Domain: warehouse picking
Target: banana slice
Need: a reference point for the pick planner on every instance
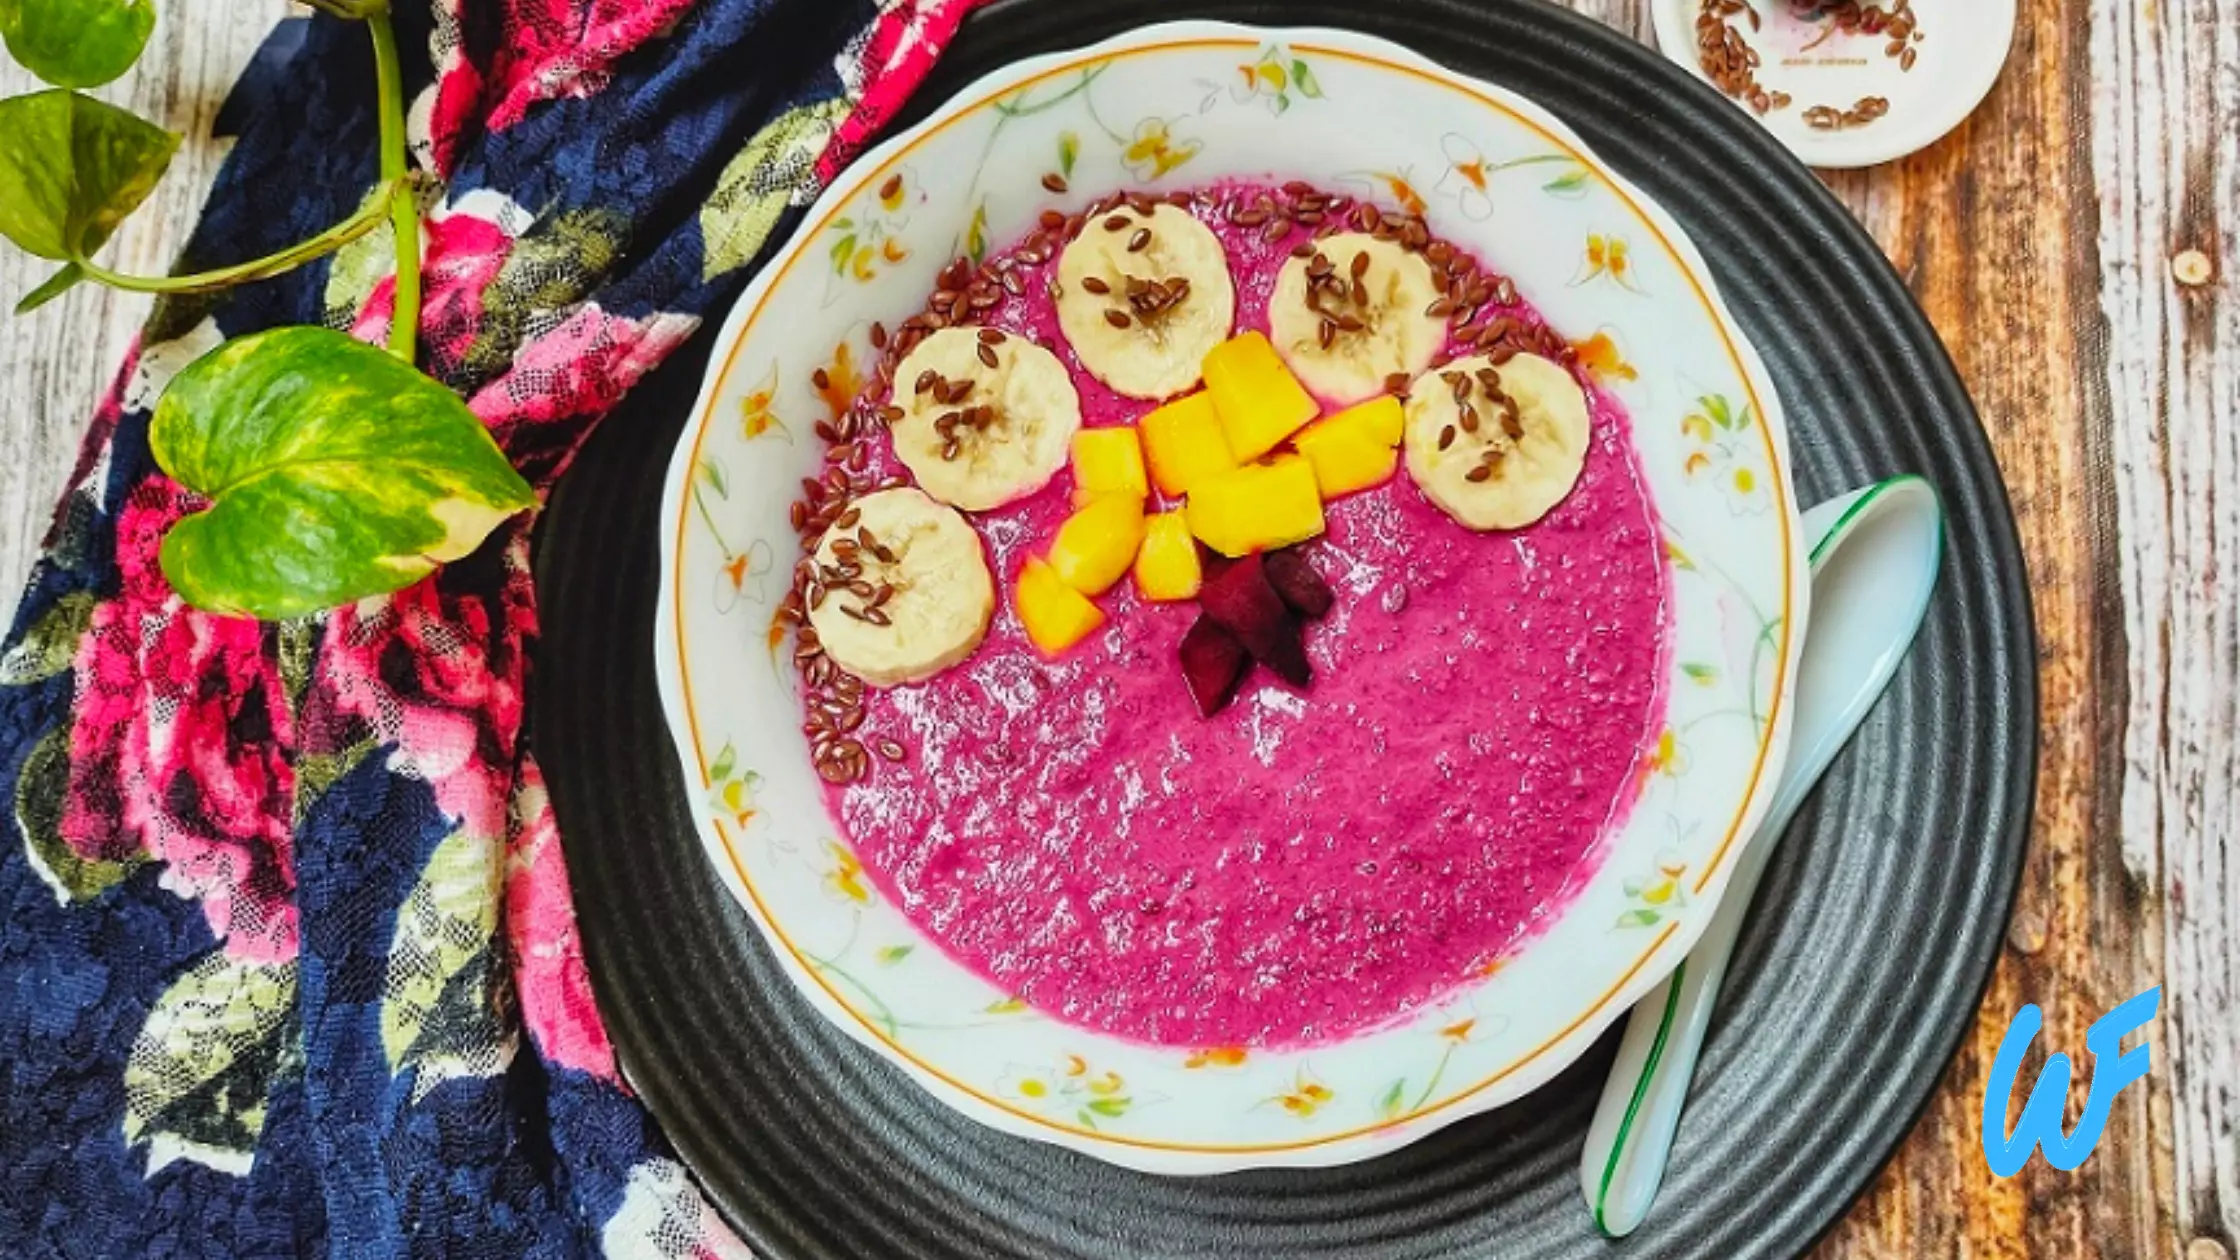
(1497, 447)
(1142, 298)
(987, 416)
(929, 590)
(1353, 313)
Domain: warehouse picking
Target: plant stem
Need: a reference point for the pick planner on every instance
(368, 217)
(404, 209)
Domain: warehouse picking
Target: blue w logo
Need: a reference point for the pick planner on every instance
(2112, 1068)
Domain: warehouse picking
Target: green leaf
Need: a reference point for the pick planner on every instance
(1303, 78)
(1283, 102)
(196, 1079)
(776, 166)
(1637, 919)
(50, 644)
(711, 475)
(727, 760)
(976, 234)
(76, 43)
(893, 954)
(1069, 152)
(1703, 674)
(1570, 184)
(1109, 1107)
(438, 1012)
(337, 472)
(40, 788)
(71, 169)
(1394, 1099)
(54, 286)
(1715, 406)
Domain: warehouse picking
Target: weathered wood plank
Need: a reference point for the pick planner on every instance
(1992, 231)
(2166, 153)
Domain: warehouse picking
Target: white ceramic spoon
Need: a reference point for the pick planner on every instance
(1874, 563)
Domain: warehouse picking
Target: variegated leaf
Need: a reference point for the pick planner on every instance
(380, 472)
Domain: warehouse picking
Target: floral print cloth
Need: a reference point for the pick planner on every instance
(288, 964)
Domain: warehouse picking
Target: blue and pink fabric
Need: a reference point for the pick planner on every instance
(288, 962)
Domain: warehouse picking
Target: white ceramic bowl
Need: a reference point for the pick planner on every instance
(1164, 107)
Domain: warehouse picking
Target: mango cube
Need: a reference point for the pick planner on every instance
(1346, 456)
(1056, 615)
(1184, 443)
(1381, 418)
(1167, 566)
(1108, 461)
(1260, 401)
(1097, 543)
(1258, 507)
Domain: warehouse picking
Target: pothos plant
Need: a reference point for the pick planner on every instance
(333, 470)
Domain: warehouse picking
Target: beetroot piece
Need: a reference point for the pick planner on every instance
(1211, 563)
(1287, 656)
(1213, 663)
(1295, 579)
(1241, 600)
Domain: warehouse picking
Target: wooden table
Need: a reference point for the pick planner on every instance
(2076, 244)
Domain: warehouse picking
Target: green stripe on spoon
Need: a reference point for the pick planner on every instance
(1874, 563)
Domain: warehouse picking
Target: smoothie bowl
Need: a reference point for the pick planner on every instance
(1230, 599)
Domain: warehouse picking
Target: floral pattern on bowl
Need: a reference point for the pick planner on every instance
(1188, 104)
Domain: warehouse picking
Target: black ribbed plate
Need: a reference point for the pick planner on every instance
(1892, 895)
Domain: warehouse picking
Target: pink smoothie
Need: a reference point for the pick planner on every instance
(1304, 865)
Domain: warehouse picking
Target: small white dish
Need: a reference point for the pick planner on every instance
(1964, 46)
